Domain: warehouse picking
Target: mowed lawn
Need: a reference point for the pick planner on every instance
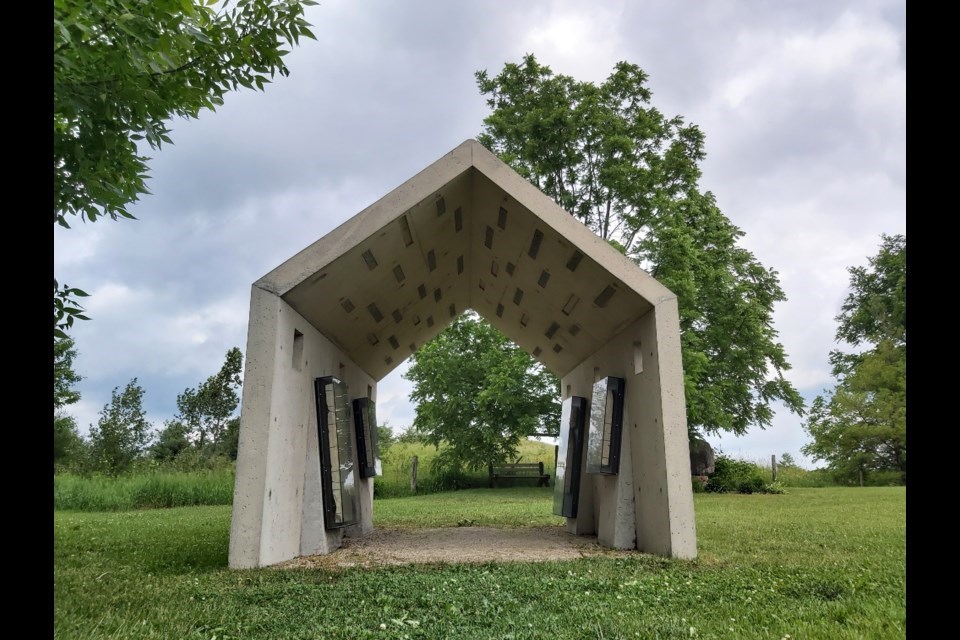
(815, 563)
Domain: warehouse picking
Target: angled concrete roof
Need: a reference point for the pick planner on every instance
(466, 232)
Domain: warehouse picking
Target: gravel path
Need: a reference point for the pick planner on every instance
(458, 545)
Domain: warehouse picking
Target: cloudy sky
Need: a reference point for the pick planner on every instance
(802, 103)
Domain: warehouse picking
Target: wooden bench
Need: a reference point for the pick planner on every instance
(532, 470)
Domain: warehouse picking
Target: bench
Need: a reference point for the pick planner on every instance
(532, 470)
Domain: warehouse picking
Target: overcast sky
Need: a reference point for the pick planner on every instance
(803, 104)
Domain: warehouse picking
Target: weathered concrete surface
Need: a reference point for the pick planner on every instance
(466, 232)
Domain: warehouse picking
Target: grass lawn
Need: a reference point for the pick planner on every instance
(815, 563)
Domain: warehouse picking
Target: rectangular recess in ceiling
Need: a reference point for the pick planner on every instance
(413, 347)
(544, 279)
(397, 316)
(552, 329)
(604, 297)
(429, 321)
(388, 360)
(494, 268)
(432, 260)
(574, 261)
(483, 285)
(557, 348)
(458, 219)
(422, 290)
(499, 310)
(570, 304)
(373, 339)
(393, 342)
(459, 265)
(416, 320)
(346, 304)
(488, 238)
(502, 219)
(405, 231)
(369, 259)
(537, 351)
(375, 312)
(510, 268)
(453, 310)
(574, 329)
(517, 295)
(535, 244)
(398, 273)
(441, 206)
(437, 294)
(524, 319)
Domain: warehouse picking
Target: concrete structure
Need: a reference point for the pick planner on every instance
(466, 232)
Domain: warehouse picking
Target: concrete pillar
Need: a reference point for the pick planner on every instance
(278, 503)
(649, 504)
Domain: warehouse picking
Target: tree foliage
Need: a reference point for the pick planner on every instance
(64, 377)
(860, 427)
(630, 174)
(122, 69)
(204, 413)
(480, 394)
(67, 442)
(122, 431)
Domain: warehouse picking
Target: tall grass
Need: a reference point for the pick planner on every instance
(152, 489)
(398, 460)
(147, 491)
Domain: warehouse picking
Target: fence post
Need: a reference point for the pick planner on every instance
(413, 474)
(773, 466)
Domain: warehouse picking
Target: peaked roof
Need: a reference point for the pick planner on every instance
(467, 232)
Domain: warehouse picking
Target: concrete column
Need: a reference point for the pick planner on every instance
(649, 503)
(278, 504)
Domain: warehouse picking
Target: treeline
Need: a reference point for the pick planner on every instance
(202, 435)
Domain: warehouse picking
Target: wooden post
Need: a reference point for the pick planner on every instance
(773, 466)
(413, 474)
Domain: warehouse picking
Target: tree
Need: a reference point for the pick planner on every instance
(630, 174)
(205, 412)
(860, 426)
(122, 432)
(480, 394)
(122, 70)
(171, 441)
(786, 460)
(66, 438)
(64, 377)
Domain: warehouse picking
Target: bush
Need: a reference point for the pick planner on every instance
(698, 485)
(739, 476)
(775, 487)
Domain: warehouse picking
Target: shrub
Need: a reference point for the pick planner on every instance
(775, 487)
(736, 476)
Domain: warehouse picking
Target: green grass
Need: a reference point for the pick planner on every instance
(155, 488)
(143, 491)
(815, 563)
(395, 481)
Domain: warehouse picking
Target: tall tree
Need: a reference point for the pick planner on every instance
(860, 426)
(66, 437)
(480, 394)
(122, 431)
(205, 411)
(122, 70)
(631, 175)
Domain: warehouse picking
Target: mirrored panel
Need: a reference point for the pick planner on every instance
(566, 487)
(337, 473)
(368, 447)
(606, 424)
